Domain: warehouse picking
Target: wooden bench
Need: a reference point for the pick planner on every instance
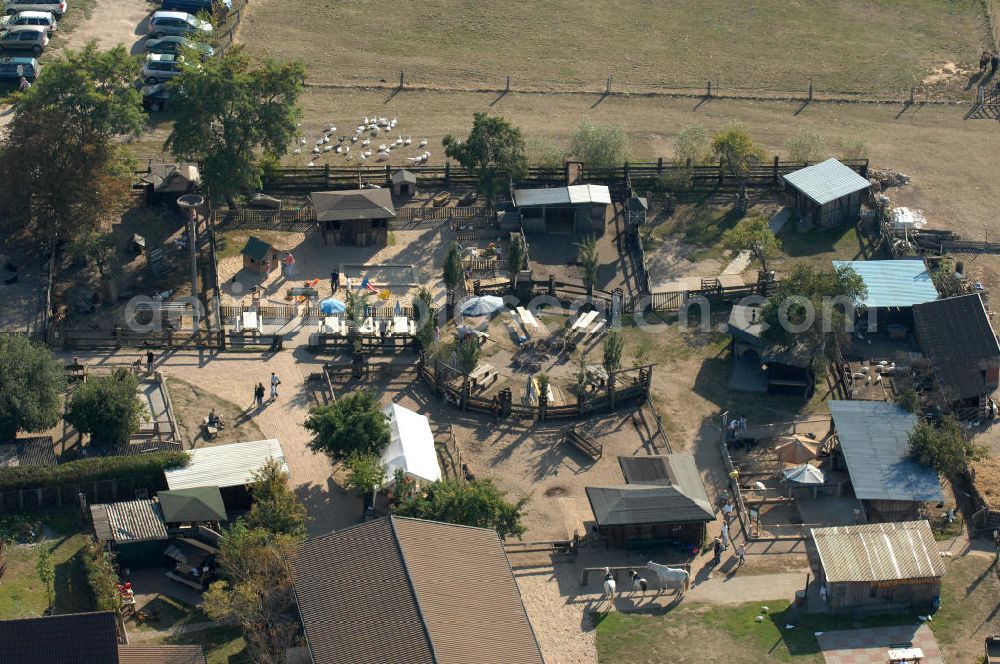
(583, 443)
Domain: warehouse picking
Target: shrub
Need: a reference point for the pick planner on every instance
(90, 470)
(102, 577)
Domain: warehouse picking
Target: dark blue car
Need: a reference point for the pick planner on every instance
(11, 69)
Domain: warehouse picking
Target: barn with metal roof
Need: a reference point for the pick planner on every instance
(894, 284)
(579, 208)
(826, 194)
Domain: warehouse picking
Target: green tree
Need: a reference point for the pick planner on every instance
(31, 389)
(229, 111)
(691, 144)
(479, 503)
(107, 407)
(811, 305)
(95, 248)
(102, 577)
(46, 573)
(467, 351)
(753, 235)
(354, 423)
(909, 399)
(944, 447)
(546, 153)
(425, 325)
(257, 591)
(516, 253)
(806, 145)
(366, 472)
(736, 153)
(275, 506)
(590, 262)
(451, 268)
(600, 146)
(494, 153)
(614, 344)
(854, 147)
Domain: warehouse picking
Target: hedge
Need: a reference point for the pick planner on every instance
(91, 470)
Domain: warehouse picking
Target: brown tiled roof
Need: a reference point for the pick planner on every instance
(67, 639)
(407, 591)
(141, 653)
(353, 204)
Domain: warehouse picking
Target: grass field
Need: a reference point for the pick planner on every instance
(850, 45)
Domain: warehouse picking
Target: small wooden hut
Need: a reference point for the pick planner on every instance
(259, 257)
(826, 194)
(880, 567)
(354, 218)
(404, 183)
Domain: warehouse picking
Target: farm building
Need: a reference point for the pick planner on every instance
(229, 467)
(894, 286)
(826, 194)
(354, 218)
(198, 505)
(404, 183)
(663, 499)
(760, 367)
(880, 566)
(134, 530)
(580, 208)
(984, 478)
(259, 257)
(966, 372)
(873, 440)
(436, 593)
(165, 182)
(34, 451)
(411, 448)
(83, 637)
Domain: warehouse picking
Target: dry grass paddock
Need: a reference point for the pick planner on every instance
(774, 45)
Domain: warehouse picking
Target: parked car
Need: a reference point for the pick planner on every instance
(175, 44)
(196, 6)
(161, 67)
(180, 24)
(57, 7)
(46, 20)
(30, 38)
(12, 69)
(155, 98)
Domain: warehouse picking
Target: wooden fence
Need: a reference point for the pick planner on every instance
(73, 339)
(298, 220)
(100, 491)
(225, 30)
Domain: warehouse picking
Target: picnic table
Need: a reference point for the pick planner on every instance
(402, 325)
(370, 327)
(534, 391)
(527, 321)
(481, 374)
(249, 321)
(584, 321)
(596, 375)
(899, 655)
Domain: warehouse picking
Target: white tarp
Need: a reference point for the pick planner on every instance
(907, 218)
(412, 446)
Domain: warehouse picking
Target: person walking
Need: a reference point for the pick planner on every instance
(258, 395)
(334, 281)
(741, 555)
(994, 63)
(150, 361)
(275, 382)
(984, 59)
(717, 549)
(725, 536)
(727, 512)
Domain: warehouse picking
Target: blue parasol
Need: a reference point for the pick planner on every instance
(331, 306)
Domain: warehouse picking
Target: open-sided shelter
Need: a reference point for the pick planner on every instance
(880, 566)
(229, 467)
(356, 217)
(406, 591)
(826, 194)
(873, 438)
(894, 287)
(579, 208)
(663, 499)
(411, 448)
(197, 505)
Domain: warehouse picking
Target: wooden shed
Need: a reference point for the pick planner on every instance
(404, 183)
(880, 567)
(259, 257)
(354, 218)
(581, 208)
(134, 530)
(826, 194)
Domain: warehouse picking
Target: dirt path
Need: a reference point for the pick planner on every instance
(111, 22)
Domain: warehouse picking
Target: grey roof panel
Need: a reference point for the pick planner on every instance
(878, 552)
(353, 204)
(894, 283)
(129, 521)
(827, 181)
(225, 465)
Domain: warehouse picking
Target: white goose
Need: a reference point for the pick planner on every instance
(423, 143)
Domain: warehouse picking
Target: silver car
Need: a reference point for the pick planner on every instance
(57, 7)
(180, 24)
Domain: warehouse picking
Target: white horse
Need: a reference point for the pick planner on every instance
(609, 586)
(672, 578)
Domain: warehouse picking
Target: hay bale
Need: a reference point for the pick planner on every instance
(986, 481)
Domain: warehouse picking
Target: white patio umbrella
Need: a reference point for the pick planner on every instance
(482, 306)
(804, 474)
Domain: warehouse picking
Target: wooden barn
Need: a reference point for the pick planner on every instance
(762, 367)
(880, 567)
(956, 336)
(825, 194)
(663, 499)
(354, 218)
(580, 208)
(259, 257)
(873, 442)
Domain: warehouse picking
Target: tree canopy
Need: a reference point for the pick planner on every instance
(275, 507)
(479, 503)
(753, 235)
(451, 267)
(494, 153)
(366, 472)
(32, 385)
(352, 424)
(516, 253)
(614, 344)
(806, 145)
(944, 447)
(691, 143)
(600, 146)
(590, 261)
(107, 407)
(467, 353)
(810, 305)
(230, 111)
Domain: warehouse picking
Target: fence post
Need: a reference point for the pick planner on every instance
(507, 89)
(810, 90)
(776, 160)
(709, 93)
(400, 79)
(447, 172)
(722, 173)
(659, 165)
(326, 172)
(607, 90)
(913, 92)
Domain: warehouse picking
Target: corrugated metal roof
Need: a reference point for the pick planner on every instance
(414, 614)
(225, 465)
(576, 194)
(35, 451)
(199, 504)
(827, 181)
(878, 552)
(353, 204)
(874, 438)
(141, 653)
(129, 521)
(899, 283)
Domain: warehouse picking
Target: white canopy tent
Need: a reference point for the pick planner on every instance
(412, 446)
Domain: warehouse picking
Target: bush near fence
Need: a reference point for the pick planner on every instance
(91, 470)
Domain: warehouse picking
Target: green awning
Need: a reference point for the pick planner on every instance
(199, 504)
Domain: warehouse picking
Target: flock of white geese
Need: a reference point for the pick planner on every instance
(370, 130)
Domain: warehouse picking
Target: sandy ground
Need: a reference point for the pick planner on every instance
(110, 23)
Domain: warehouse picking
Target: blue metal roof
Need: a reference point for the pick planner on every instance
(827, 181)
(900, 283)
(874, 437)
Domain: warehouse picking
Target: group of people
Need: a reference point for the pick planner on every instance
(258, 390)
(721, 543)
(990, 58)
(736, 427)
(150, 363)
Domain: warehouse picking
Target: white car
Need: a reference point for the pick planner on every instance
(57, 7)
(27, 17)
